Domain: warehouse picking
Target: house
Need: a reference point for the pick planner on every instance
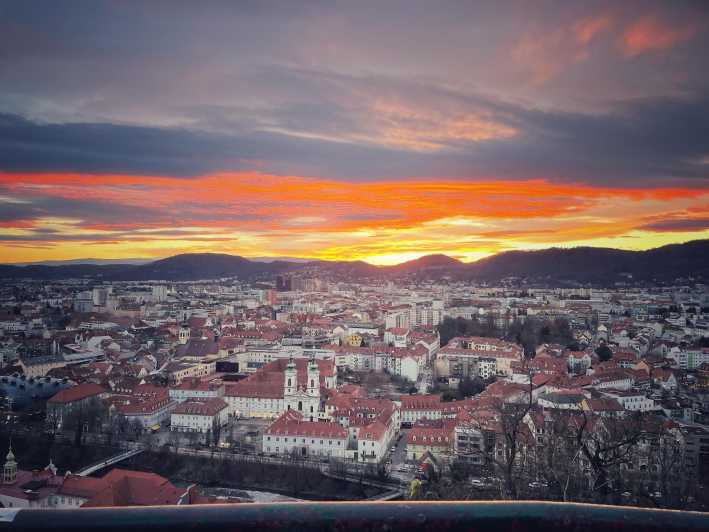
(40, 366)
(567, 400)
(634, 400)
(176, 372)
(121, 487)
(148, 406)
(397, 336)
(196, 388)
(602, 406)
(579, 361)
(199, 415)
(373, 442)
(292, 434)
(417, 407)
(60, 405)
(665, 378)
(437, 441)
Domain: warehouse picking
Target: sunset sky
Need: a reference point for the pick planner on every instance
(381, 130)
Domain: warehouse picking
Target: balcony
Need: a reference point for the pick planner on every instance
(389, 516)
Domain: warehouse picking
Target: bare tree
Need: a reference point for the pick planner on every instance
(508, 455)
(606, 444)
(557, 452)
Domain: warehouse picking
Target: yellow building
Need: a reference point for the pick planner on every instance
(354, 340)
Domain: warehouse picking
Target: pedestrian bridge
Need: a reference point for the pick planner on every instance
(109, 461)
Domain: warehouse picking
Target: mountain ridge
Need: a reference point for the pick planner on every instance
(578, 264)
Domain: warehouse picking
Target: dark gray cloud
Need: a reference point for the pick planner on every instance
(87, 210)
(684, 224)
(184, 89)
(116, 216)
(647, 142)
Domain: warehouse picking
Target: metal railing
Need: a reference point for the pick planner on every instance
(379, 516)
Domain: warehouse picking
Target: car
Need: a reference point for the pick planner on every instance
(477, 483)
(538, 484)
(393, 449)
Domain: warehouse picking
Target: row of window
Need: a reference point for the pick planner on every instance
(295, 440)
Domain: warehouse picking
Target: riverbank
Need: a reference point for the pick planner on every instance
(292, 480)
(34, 450)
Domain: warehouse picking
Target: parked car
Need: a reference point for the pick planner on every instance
(538, 484)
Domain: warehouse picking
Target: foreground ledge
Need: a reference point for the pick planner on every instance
(340, 516)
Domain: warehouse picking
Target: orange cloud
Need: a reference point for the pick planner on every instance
(650, 34)
(588, 28)
(257, 214)
(547, 53)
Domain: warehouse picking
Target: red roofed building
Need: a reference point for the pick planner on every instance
(298, 384)
(437, 441)
(195, 388)
(291, 434)
(63, 403)
(416, 407)
(206, 415)
(122, 487)
(148, 405)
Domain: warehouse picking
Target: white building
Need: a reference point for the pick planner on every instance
(206, 415)
(632, 400)
(292, 434)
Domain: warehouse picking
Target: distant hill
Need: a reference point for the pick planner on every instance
(186, 267)
(98, 262)
(582, 264)
(193, 266)
(598, 265)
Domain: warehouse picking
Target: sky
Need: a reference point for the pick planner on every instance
(380, 131)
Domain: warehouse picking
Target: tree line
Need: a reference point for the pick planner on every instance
(530, 333)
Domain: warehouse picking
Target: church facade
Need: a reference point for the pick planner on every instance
(299, 385)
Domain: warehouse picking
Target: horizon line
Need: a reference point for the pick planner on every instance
(267, 259)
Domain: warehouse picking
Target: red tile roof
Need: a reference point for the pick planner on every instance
(291, 423)
(420, 402)
(207, 407)
(121, 487)
(429, 436)
(77, 393)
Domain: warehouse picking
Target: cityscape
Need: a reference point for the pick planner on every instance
(392, 386)
(388, 266)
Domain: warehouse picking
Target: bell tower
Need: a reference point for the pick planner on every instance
(291, 378)
(9, 471)
(313, 378)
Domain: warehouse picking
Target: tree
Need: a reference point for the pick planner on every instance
(512, 412)
(469, 387)
(558, 457)
(85, 416)
(604, 353)
(606, 444)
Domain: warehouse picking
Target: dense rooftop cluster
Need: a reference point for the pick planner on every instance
(463, 377)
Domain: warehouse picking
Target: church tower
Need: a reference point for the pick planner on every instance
(291, 378)
(9, 471)
(313, 378)
(184, 334)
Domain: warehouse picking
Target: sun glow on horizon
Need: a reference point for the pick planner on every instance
(383, 223)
